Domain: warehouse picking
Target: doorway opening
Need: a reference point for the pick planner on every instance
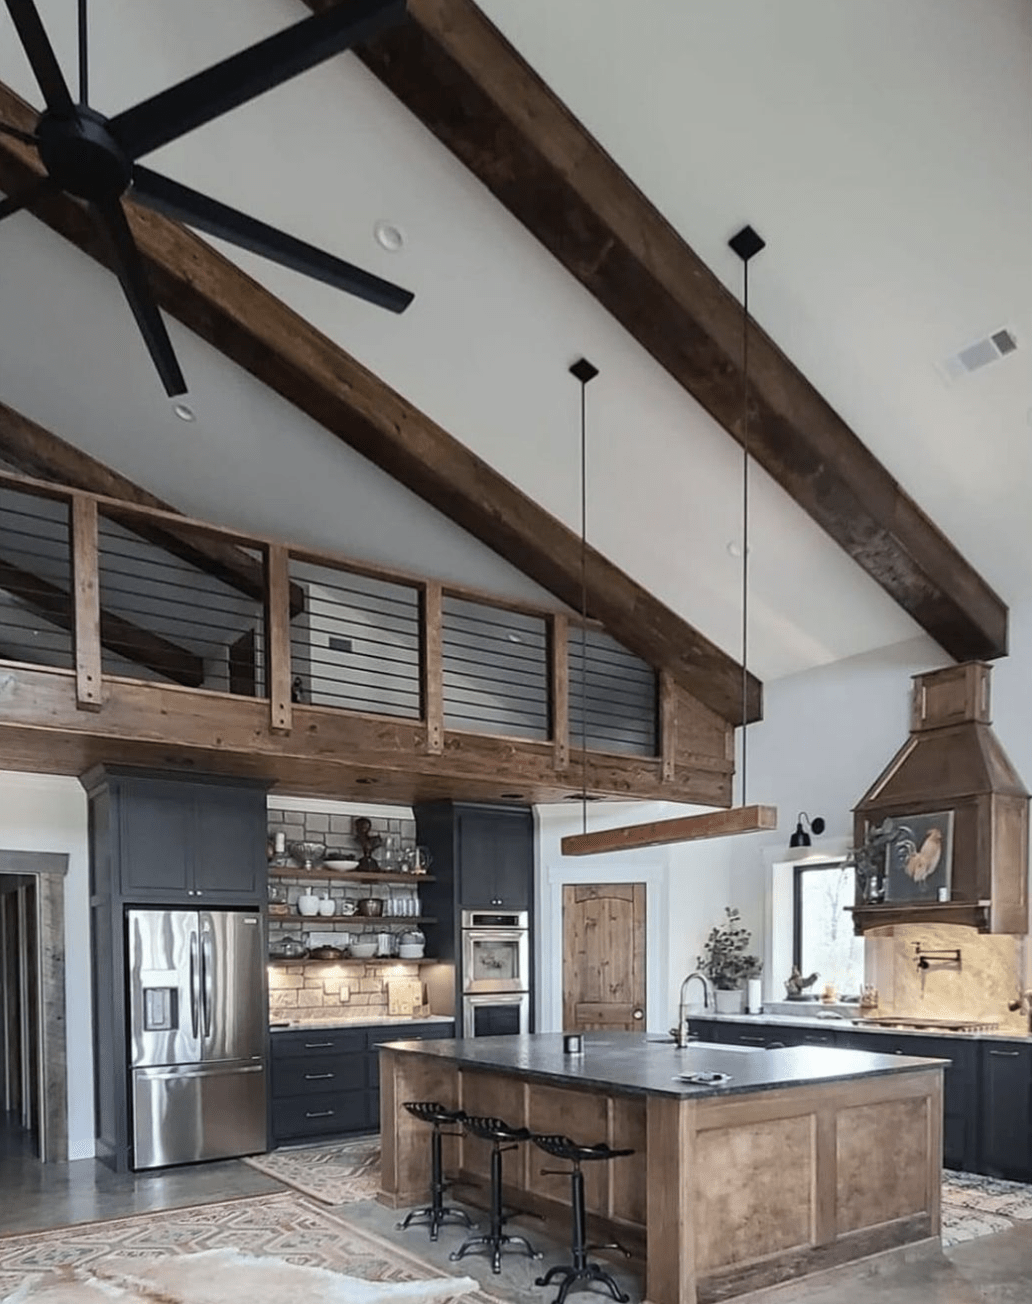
(20, 1042)
(33, 1051)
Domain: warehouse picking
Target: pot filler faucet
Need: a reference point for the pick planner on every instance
(681, 1031)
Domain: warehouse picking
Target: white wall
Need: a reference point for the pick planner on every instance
(42, 812)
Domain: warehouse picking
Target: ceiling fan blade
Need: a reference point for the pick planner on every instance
(194, 209)
(190, 103)
(23, 136)
(128, 266)
(40, 54)
(15, 203)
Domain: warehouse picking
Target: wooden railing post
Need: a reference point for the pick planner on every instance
(667, 725)
(86, 604)
(277, 641)
(560, 691)
(433, 668)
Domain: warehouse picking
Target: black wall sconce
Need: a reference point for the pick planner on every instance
(801, 836)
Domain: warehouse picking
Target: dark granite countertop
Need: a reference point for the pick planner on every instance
(853, 1024)
(629, 1064)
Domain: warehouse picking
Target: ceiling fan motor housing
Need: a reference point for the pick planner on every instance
(81, 155)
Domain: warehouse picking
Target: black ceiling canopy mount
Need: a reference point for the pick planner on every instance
(94, 158)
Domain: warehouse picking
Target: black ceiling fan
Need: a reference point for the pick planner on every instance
(95, 158)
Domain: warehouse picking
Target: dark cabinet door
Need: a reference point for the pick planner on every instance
(156, 838)
(1005, 1116)
(496, 859)
(229, 860)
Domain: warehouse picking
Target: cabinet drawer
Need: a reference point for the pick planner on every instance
(291, 1045)
(321, 1115)
(317, 1073)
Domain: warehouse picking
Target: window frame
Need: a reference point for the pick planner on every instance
(798, 871)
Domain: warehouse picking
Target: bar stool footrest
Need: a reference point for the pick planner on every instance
(590, 1272)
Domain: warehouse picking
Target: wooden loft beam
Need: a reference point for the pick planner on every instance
(117, 634)
(33, 450)
(464, 82)
(253, 328)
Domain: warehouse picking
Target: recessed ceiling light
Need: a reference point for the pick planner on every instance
(183, 412)
(389, 236)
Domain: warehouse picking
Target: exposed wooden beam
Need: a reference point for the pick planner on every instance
(686, 828)
(117, 634)
(33, 450)
(236, 315)
(464, 82)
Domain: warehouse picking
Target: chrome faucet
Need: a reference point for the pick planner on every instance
(681, 1031)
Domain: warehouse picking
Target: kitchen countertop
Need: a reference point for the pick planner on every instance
(342, 1025)
(630, 1064)
(852, 1024)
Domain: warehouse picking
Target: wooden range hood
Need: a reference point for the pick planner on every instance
(953, 761)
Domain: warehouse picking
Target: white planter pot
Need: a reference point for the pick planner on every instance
(728, 1002)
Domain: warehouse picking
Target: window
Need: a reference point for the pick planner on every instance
(823, 939)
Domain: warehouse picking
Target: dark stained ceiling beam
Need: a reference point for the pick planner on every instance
(31, 449)
(117, 634)
(464, 82)
(237, 316)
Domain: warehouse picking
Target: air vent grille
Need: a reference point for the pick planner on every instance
(979, 354)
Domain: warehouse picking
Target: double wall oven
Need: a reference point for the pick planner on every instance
(495, 960)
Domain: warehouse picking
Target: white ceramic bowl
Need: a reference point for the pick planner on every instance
(363, 950)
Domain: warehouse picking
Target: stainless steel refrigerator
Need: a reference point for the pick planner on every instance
(198, 1019)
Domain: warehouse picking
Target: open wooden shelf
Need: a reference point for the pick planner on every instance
(352, 960)
(318, 922)
(348, 876)
(975, 914)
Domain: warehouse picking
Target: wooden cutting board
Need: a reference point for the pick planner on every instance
(404, 995)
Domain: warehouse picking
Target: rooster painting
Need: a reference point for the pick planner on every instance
(919, 856)
(922, 861)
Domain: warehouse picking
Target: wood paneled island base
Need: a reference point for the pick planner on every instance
(807, 1158)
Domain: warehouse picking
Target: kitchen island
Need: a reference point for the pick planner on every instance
(804, 1159)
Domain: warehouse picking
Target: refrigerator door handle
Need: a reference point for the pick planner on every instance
(207, 983)
(194, 990)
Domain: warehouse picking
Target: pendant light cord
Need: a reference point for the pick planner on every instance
(84, 80)
(745, 533)
(584, 602)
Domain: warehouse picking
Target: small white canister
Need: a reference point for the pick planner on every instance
(753, 996)
(308, 904)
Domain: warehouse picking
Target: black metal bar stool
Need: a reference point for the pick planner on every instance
(581, 1269)
(503, 1137)
(436, 1212)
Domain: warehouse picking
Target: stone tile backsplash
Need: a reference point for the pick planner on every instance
(318, 990)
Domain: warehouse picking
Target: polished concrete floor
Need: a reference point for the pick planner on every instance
(33, 1196)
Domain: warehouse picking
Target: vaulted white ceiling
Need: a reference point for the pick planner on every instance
(883, 150)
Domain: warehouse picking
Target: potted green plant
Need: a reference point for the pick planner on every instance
(725, 963)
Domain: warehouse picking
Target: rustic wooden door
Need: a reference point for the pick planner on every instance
(604, 956)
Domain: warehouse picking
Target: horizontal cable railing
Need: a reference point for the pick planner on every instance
(357, 645)
(613, 696)
(495, 665)
(36, 607)
(107, 588)
(167, 619)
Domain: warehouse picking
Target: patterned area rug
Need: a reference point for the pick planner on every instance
(974, 1206)
(285, 1226)
(335, 1174)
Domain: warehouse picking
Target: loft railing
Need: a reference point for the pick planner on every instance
(109, 590)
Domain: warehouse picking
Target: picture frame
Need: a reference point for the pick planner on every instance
(919, 858)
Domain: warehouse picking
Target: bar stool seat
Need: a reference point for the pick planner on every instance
(581, 1269)
(436, 1212)
(502, 1137)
